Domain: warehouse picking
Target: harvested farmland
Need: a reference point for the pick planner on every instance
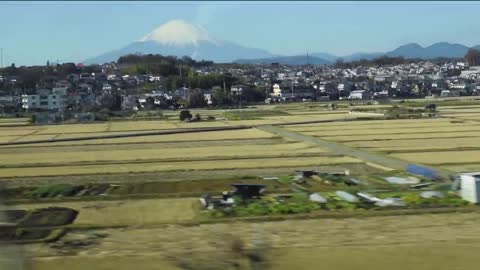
(417, 144)
(379, 126)
(399, 137)
(126, 212)
(185, 137)
(185, 153)
(441, 157)
(374, 131)
(176, 166)
(44, 148)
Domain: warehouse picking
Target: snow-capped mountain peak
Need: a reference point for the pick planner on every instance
(180, 38)
(178, 33)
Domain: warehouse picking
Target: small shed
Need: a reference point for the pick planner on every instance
(248, 191)
(470, 187)
(306, 174)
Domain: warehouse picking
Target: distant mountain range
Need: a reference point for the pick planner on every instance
(409, 51)
(180, 38)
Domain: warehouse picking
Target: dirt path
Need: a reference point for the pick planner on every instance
(382, 160)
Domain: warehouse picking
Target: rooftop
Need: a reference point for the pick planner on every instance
(474, 174)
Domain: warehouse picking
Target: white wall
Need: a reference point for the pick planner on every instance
(470, 188)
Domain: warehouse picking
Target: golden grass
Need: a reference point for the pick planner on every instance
(419, 143)
(34, 137)
(301, 118)
(140, 125)
(9, 120)
(9, 131)
(463, 167)
(126, 212)
(372, 131)
(199, 136)
(103, 155)
(441, 157)
(176, 166)
(374, 125)
(73, 128)
(318, 112)
(453, 136)
(6, 139)
(469, 117)
(423, 242)
(386, 123)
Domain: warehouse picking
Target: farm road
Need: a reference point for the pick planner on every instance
(382, 160)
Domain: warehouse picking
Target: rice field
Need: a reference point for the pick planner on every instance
(442, 157)
(409, 139)
(418, 143)
(164, 166)
(203, 151)
(165, 154)
(183, 137)
(5, 122)
(448, 141)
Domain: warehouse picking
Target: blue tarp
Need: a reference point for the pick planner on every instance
(423, 171)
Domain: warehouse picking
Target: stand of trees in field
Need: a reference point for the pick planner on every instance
(473, 57)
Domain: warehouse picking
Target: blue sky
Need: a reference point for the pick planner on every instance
(34, 32)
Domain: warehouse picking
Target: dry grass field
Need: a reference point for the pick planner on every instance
(183, 137)
(443, 157)
(216, 150)
(439, 141)
(163, 166)
(127, 212)
(417, 144)
(185, 153)
(425, 242)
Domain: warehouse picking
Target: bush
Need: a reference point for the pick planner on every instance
(51, 191)
(185, 114)
(33, 119)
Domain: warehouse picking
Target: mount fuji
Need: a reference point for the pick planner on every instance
(179, 38)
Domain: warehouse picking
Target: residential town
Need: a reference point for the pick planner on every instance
(114, 86)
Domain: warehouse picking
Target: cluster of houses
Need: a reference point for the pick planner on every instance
(406, 80)
(84, 91)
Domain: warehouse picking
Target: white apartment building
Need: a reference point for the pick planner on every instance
(45, 99)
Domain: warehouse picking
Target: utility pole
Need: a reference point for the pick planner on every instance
(224, 87)
(1, 57)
